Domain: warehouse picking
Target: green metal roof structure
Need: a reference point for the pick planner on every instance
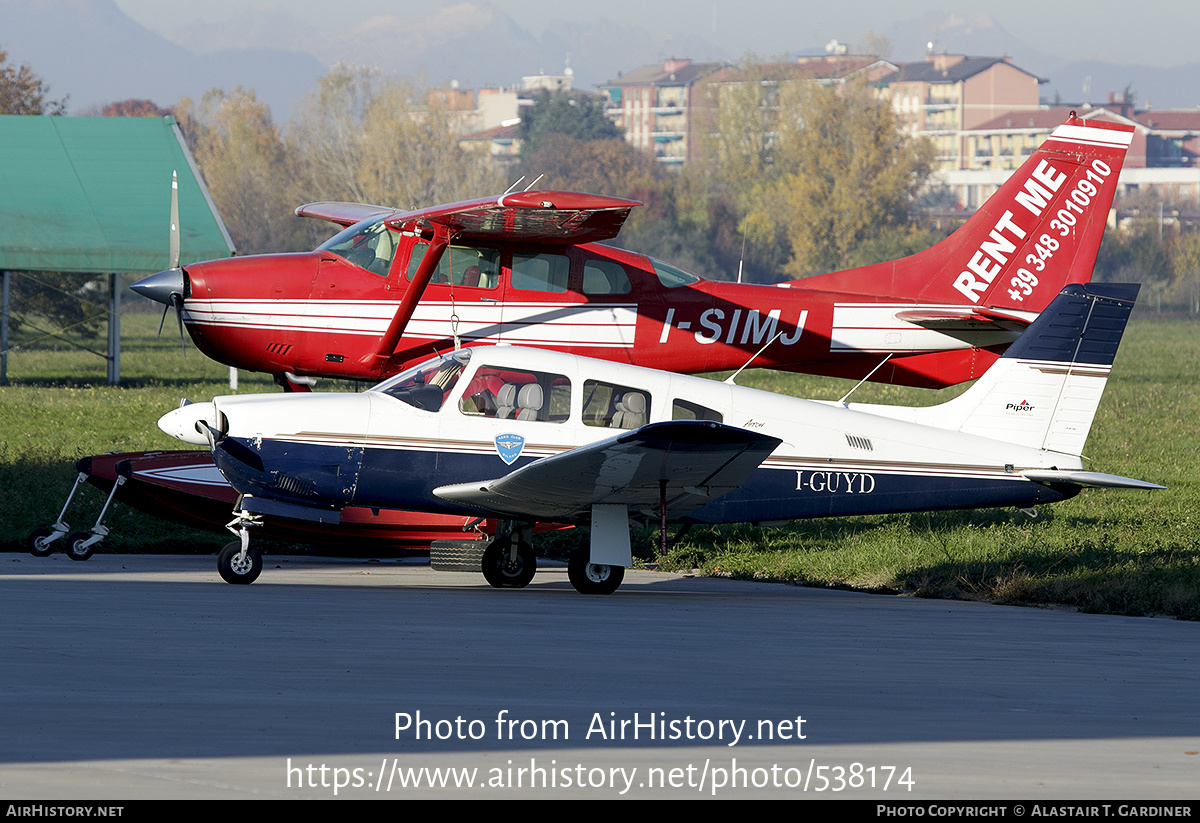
(93, 195)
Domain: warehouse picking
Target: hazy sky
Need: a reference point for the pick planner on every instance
(1149, 32)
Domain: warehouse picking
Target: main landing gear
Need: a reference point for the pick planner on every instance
(592, 578)
(509, 563)
(508, 560)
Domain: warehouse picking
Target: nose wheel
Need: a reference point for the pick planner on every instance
(238, 567)
(240, 563)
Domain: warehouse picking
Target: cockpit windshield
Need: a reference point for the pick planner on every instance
(370, 245)
(427, 385)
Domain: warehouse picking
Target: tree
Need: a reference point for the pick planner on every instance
(1185, 264)
(246, 168)
(611, 166)
(573, 114)
(365, 137)
(845, 174)
(23, 92)
(134, 107)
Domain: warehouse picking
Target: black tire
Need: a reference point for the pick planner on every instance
(592, 578)
(457, 555)
(501, 571)
(239, 574)
(37, 545)
(75, 548)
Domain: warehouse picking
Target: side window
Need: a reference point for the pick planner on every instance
(671, 277)
(614, 407)
(683, 410)
(540, 272)
(460, 266)
(605, 277)
(514, 395)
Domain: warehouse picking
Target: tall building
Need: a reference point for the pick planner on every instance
(946, 95)
(655, 106)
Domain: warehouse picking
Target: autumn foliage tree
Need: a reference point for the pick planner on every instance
(246, 167)
(368, 138)
(23, 92)
(844, 175)
(133, 107)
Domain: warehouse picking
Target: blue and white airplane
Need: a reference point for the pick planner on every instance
(528, 435)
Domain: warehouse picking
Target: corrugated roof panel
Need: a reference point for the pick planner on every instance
(93, 194)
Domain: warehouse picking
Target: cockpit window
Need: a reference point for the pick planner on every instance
(370, 245)
(460, 266)
(427, 385)
(672, 277)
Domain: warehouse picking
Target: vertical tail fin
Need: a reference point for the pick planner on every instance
(1043, 393)
(1040, 231)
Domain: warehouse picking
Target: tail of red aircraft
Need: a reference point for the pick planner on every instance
(1040, 231)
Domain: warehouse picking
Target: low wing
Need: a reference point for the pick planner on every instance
(532, 216)
(1097, 479)
(344, 214)
(699, 461)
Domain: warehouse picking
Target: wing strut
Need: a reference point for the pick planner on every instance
(408, 304)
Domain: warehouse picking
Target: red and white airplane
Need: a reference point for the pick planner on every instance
(526, 268)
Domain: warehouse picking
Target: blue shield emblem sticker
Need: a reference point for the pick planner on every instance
(509, 446)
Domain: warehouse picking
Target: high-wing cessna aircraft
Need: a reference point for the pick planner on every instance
(524, 434)
(525, 268)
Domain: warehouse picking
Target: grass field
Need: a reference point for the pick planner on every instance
(1111, 551)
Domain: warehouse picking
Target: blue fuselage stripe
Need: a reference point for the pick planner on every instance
(396, 478)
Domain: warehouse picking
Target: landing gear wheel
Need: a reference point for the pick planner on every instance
(592, 578)
(501, 570)
(75, 548)
(38, 546)
(239, 571)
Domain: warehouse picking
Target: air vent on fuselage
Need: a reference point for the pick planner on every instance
(279, 349)
(857, 442)
(295, 485)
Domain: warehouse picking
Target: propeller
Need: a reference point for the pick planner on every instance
(168, 287)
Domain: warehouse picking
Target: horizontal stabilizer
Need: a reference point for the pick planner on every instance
(967, 318)
(1097, 479)
(699, 461)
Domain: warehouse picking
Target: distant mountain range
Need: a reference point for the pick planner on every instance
(92, 52)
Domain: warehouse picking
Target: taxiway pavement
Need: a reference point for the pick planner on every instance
(131, 677)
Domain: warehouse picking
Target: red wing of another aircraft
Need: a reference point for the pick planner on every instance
(526, 268)
(186, 487)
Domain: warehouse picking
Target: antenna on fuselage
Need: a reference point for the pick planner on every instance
(729, 379)
(865, 379)
(742, 259)
(516, 183)
(534, 183)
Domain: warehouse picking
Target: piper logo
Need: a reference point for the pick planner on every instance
(1023, 406)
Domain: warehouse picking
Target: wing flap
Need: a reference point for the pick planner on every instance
(699, 462)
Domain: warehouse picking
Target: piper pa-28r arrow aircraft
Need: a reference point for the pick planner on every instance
(524, 435)
(525, 268)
